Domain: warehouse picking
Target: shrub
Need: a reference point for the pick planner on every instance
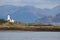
(2, 21)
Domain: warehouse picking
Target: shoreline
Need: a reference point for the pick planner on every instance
(31, 29)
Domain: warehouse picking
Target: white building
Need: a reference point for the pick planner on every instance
(9, 19)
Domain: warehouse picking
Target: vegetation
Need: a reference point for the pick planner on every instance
(2, 21)
(31, 26)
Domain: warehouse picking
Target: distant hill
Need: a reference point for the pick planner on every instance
(27, 14)
(56, 10)
(46, 19)
(30, 14)
(54, 18)
(24, 14)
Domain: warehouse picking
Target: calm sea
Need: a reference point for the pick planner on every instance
(21, 35)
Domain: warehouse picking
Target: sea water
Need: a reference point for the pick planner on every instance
(23, 35)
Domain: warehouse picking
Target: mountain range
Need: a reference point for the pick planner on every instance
(29, 14)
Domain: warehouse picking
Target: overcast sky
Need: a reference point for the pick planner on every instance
(37, 3)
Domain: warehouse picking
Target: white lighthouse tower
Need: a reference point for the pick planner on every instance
(9, 19)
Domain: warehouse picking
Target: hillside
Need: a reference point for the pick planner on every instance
(29, 14)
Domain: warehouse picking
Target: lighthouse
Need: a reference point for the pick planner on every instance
(9, 19)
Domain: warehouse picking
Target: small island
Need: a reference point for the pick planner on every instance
(15, 25)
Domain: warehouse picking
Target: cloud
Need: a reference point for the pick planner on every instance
(37, 3)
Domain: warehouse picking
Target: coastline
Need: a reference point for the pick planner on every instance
(31, 29)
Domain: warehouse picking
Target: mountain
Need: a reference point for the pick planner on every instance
(56, 19)
(56, 10)
(27, 14)
(30, 14)
(48, 12)
(24, 14)
(46, 19)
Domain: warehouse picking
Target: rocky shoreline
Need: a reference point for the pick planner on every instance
(30, 29)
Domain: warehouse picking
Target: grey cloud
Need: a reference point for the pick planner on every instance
(38, 3)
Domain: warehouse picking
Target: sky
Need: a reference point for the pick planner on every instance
(37, 3)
